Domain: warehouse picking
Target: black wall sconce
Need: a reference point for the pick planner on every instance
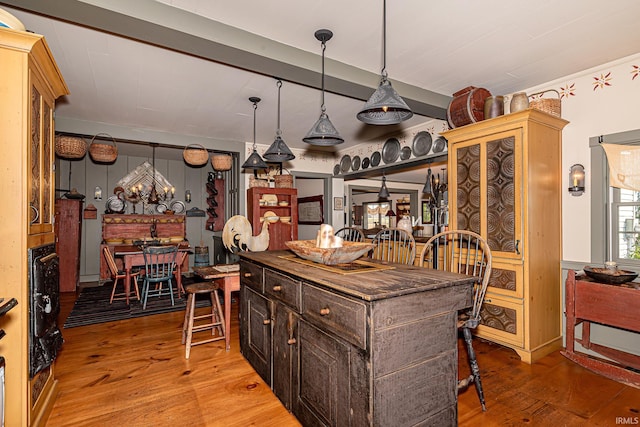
(576, 180)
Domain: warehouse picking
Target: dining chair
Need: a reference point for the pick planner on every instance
(159, 265)
(116, 275)
(350, 234)
(394, 245)
(464, 252)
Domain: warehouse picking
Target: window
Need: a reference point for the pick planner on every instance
(375, 214)
(615, 212)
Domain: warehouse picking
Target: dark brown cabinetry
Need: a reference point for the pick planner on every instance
(68, 228)
(342, 349)
(280, 231)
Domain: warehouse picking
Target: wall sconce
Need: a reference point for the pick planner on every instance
(97, 193)
(187, 196)
(576, 180)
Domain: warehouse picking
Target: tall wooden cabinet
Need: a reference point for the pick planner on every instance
(279, 231)
(506, 184)
(68, 227)
(30, 84)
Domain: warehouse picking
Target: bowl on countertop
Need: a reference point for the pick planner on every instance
(605, 275)
(349, 252)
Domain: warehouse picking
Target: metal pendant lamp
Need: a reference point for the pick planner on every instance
(427, 189)
(384, 192)
(278, 151)
(385, 106)
(153, 195)
(323, 132)
(254, 161)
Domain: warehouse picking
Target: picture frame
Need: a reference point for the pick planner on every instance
(426, 213)
(338, 204)
(310, 210)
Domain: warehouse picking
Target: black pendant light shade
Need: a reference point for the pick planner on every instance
(153, 195)
(278, 151)
(254, 161)
(384, 192)
(385, 106)
(323, 132)
(427, 185)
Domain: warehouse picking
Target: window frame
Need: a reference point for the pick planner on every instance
(602, 199)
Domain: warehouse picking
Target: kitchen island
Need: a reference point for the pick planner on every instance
(372, 344)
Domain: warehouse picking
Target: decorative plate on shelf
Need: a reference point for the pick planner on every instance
(161, 207)
(422, 143)
(177, 207)
(391, 150)
(439, 144)
(355, 163)
(375, 158)
(405, 153)
(336, 169)
(365, 163)
(345, 163)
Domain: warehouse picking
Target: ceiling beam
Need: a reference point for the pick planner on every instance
(165, 26)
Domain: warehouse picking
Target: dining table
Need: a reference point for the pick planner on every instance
(132, 256)
(227, 276)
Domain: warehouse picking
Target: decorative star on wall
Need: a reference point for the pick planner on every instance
(602, 81)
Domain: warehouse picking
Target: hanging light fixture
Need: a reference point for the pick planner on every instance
(153, 195)
(323, 132)
(254, 161)
(385, 106)
(427, 185)
(384, 192)
(279, 152)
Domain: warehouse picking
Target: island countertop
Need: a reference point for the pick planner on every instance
(392, 280)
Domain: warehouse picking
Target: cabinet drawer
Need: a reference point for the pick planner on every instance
(507, 279)
(502, 320)
(251, 275)
(344, 317)
(282, 288)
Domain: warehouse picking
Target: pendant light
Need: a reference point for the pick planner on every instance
(153, 195)
(384, 192)
(385, 106)
(279, 152)
(427, 185)
(323, 132)
(254, 161)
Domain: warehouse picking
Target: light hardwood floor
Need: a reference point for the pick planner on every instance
(133, 373)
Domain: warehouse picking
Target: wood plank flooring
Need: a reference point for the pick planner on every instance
(133, 373)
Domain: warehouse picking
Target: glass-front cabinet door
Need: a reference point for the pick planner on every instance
(489, 190)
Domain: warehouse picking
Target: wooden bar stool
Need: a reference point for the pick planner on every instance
(215, 321)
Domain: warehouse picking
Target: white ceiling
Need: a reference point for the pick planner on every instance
(434, 48)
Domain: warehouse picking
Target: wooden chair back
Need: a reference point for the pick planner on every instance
(111, 262)
(394, 245)
(465, 252)
(350, 234)
(159, 262)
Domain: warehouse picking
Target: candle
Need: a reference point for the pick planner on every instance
(173, 190)
(166, 190)
(575, 180)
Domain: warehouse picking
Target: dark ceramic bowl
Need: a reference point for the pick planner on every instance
(603, 275)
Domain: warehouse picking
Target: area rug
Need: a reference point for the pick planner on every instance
(92, 306)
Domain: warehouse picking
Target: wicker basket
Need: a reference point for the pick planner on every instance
(101, 152)
(221, 162)
(256, 182)
(548, 105)
(70, 147)
(284, 181)
(195, 155)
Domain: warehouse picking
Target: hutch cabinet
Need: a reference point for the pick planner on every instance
(506, 185)
(68, 227)
(279, 231)
(30, 84)
(341, 349)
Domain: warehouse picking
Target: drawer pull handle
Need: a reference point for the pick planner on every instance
(247, 274)
(324, 311)
(277, 288)
(266, 321)
(291, 341)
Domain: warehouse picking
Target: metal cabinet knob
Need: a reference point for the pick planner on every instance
(291, 341)
(247, 274)
(277, 288)
(266, 321)
(324, 311)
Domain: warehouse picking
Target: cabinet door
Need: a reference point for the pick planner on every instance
(488, 183)
(285, 355)
(323, 391)
(255, 334)
(40, 175)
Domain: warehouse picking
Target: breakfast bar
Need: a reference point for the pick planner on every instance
(365, 343)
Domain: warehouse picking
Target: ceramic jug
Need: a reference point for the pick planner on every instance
(519, 102)
(493, 106)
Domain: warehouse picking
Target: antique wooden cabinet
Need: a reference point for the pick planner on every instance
(30, 84)
(374, 348)
(506, 184)
(68, 228)
(279, 231)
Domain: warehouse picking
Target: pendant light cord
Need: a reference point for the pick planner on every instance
(324, 46)
(279, 84)
(255, 107)
(384, 39)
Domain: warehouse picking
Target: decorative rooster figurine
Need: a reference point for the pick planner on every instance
(238, 235)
